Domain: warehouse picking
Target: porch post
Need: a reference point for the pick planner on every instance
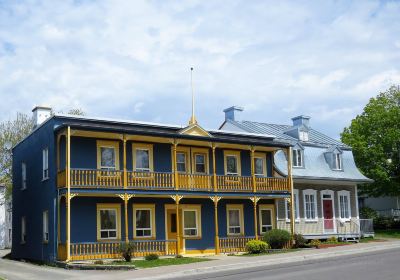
(126, 199)
(214, 169)
(216, 199)
(174, 166)
(290, 180)
(68, 196)
(177, 198)
(255, 201)
(253, 176)
(124, 163)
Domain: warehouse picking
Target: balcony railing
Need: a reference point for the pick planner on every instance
(234, 244)
(94, 178)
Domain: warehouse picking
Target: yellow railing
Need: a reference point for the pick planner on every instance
(194, 182)
(93, 178)
(234, 183)
(110, 250)
(234, 244)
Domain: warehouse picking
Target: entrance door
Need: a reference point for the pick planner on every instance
(172, 226)
(328, 215)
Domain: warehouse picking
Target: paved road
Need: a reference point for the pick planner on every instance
(382, 265)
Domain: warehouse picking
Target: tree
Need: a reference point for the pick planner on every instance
(375, 139)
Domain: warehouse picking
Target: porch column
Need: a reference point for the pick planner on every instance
(214, 169)
(216, 199)
(174, 165)
(124, 163)
(68, 195)
(126, 200)
(253, 176)
(177, 198)
(255, 201)
(290, 181)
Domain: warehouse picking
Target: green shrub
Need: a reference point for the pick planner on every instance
(368, 213)
(277, 238)
(383, 222)
(179, 256)
(126, 250)
(315, 243)
(299, 240)
(100, 262)
(256, 247)
(151, 257)
(332, 239)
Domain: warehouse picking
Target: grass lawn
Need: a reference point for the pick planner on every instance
(388, 233)
(161, 262)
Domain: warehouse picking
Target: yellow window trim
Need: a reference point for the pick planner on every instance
(186, 151)
(182, 207)
(241, 218)
(263, 156)
(201, 151)
(142, 146)
(145, 206)
(107, 144)
(107, 206)
(237, 155)
(266, 207)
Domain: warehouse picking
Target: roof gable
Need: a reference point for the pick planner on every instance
(195, 130)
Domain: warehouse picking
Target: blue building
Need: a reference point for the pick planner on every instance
(83, 186)
(325, 178)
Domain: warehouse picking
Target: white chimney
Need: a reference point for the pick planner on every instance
(233, 113)
(301, 120)
(40, 115)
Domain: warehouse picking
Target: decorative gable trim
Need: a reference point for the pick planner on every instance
(195, 130)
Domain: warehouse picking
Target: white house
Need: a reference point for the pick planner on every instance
(5, 220)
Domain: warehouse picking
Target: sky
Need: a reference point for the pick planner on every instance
(131, 59)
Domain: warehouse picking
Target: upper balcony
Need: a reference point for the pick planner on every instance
(189, 159)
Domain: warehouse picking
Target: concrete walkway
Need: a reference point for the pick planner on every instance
(18, 270)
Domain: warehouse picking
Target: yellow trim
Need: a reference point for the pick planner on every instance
(263, 156)
(197, 209)
(237, 155)
(106, 206)
(145, 206)
(195, 130)
(107, 144)
(273, 217)
(241, 218)
(200, 252)
(201, 151)
(142, 146)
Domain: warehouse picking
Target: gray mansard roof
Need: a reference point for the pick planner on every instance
(315, 164)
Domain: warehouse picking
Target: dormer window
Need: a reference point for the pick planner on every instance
(297, 158)
(337, 163)
(303, 135)
(333, 157)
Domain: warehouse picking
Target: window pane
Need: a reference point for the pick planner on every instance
(234, 218)
(142, 159)
(143, 218)
(259, 166)
(107, 157)
(189, 219)
(266, 217)
(181, 162)
(231, 165)
(200, 163)
(108, 219)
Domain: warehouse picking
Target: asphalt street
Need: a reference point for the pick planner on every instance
(382, 265)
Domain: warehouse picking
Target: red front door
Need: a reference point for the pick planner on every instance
(328, 215)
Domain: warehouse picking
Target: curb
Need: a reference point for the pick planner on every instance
(272, 262)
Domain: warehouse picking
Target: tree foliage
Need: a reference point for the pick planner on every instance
(375, 138)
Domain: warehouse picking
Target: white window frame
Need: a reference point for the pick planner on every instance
(262, 157)
(143, 147)
(23, 230)
(298, 152)
(303, 135)
(46, 226)
(113, 207)
(144, 207)
(184, 162)
(45, 163)
(195, 162)
(197, 215)
(313, 193)
(337, 161)
(239, 207)
(23, 176)
(263, 207)
(344, 193)
(296, 204)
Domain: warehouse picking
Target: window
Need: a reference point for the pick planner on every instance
(344, 205)
(200, 163)
(260, 168)
(108, 155)
(144, 220)
(337, 161)
(23, 230)
(266, 216)
(181, 162)
(143, 157)
(45, 164)
(297, 157)
(108, 221)
(189, 223)
(23, 171)
(310, 204)
(45, 226)
(235, 219)
(303, 135)
(232, 163)
(296, 206)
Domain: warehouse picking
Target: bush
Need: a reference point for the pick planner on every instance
(332, 239)
(256, 247)
(277, 238)
(179, 256)
(99, 262)
(368, 213)
(126, 250)
(383, 222)
(299, 240)
(151, 257)
(315, 243)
